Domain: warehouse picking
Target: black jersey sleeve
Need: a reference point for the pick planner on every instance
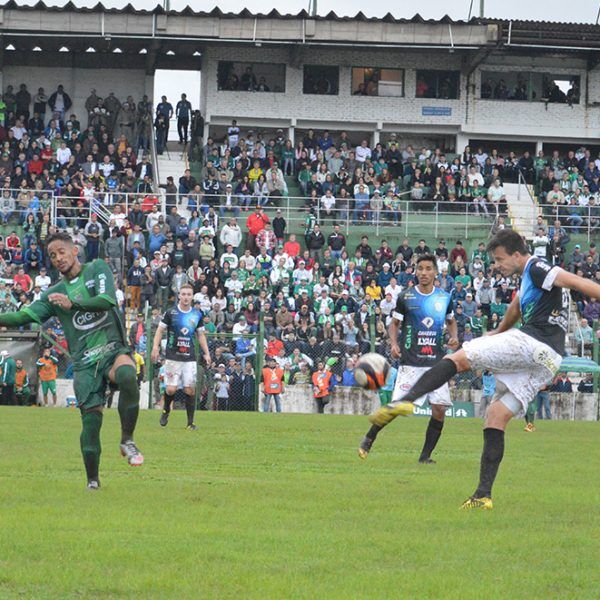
(166, 320)
(543, 274)
(400, 311)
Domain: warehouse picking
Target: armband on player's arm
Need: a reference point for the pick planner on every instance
(15, 319)
(95, 304)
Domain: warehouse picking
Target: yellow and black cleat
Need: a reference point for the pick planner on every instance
(386, 414)
(365, 447)
(472, 502)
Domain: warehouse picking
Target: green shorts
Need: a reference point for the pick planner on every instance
(90, 384)
(385, 397)
(49, 386)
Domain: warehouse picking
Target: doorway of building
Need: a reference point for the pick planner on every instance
(172, 84)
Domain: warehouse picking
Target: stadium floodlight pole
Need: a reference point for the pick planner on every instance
(481, 9)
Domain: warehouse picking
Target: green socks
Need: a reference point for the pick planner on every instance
(129, 400)
(90, 442)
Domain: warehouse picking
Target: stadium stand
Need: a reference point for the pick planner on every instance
(313, 240)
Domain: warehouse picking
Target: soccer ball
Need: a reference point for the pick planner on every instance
(371, 371)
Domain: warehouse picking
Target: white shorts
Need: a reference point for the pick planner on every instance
(521, 363)
(180, 374)
(406, 378)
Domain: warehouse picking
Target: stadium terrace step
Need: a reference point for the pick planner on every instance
(522, 208)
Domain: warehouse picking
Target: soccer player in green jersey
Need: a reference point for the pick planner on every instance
(85, 303)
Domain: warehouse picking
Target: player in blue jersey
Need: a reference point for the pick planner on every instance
(182, 324)
(522, 360)
(423, 311)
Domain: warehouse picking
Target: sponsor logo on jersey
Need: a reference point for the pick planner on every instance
(93, 353)
(428, 321)
(85, 320)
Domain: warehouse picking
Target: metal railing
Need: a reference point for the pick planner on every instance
(573, 219)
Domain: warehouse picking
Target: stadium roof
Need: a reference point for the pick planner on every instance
(193, 26)
(303, 14)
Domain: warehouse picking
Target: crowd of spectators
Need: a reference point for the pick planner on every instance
(323, 301)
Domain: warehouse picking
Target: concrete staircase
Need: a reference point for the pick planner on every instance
(172, 163)
(522, 208)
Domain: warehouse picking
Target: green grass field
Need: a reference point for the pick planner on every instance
(279, 506)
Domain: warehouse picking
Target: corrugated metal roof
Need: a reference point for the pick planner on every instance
(217, 12)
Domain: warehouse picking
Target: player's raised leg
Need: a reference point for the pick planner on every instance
(123, 375)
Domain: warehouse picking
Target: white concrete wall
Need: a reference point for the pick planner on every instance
(356, 401)
(79, 82)
(344, 108)
(471, 116)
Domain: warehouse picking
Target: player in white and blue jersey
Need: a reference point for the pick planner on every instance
(522, 360)
(425, 313)
(182, 324)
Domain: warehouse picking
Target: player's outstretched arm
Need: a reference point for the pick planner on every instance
(16, 319)
(573, 282)
(511, 317)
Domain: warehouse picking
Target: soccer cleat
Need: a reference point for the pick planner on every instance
(365, 447)
(192, 427)
(427, 461)
(164, 418)
(386, 414)
(472, 502)
(130, 451)
(93, 484)
(529, 427)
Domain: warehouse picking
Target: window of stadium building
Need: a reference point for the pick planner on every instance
(250, 77)
(532, 87)
(324, 81)
(373, 81)
(438, 84)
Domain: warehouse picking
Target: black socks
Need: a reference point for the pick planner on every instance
(372, 433)
(432, 435)
(190, 407)
(168, 401)
(493, 451)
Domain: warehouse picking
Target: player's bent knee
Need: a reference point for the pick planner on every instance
(171, 391)
(499, 413)
(438, 411)
(126, 380)
(460, 360)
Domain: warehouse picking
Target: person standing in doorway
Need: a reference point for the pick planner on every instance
(183, 111)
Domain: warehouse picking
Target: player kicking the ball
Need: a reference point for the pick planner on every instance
(522, 360)
(182, 323)
(422, 310)
(85, 303)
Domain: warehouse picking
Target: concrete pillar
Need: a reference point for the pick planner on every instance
(149, 87)
(462, 140)
(376, 133)
(292, 134)
(539, 146)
